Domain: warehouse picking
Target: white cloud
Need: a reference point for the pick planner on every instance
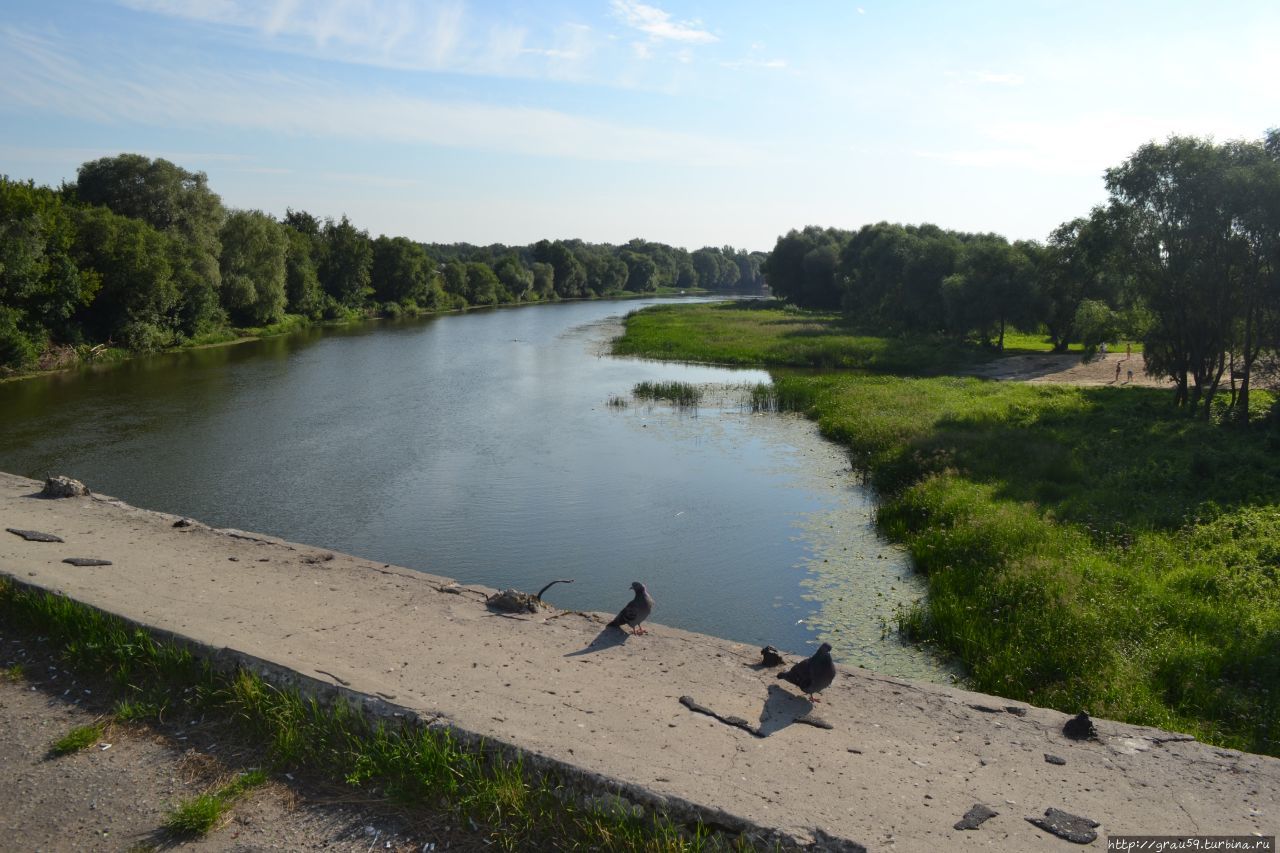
(657, 24)
(427, 35)
(35, 76)
(1082, 145)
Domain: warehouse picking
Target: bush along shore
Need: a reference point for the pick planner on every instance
(508, 805)
(1086, 548)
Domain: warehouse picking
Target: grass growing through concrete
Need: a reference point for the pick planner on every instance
(77, 739)
(419, 767)
(202, 814)
(1085, 547)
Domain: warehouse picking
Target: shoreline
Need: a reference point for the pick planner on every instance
(901, 763)
(244, 339)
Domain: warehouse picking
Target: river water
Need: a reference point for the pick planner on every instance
(484, 446)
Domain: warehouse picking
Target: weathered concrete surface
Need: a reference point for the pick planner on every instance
(902, 764)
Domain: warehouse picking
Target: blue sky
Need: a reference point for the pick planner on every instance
(691, 123)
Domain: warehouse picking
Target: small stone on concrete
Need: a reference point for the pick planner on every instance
(1074, 828)
(975, 816)
(86, 561)
(1080, 727)
(63, 487)
(35, 535)
(769, 656)
(1054, 759)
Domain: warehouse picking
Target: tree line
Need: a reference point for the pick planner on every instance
(141, 254)
(1184, 257)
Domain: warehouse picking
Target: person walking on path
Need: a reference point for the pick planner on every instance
(1118, 373)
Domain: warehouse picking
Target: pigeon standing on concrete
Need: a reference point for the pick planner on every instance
(636, 611)
(814, 673)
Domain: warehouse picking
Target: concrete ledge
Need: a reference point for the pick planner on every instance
(900, 766)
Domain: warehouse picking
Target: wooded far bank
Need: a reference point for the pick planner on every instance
(139, 255)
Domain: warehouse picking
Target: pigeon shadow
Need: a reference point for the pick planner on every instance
(780, 710)
(607, 639)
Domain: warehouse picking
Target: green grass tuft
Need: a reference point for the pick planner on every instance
(201, 815)
(682, 394)
(77, 739)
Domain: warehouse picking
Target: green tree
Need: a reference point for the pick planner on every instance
(482, 285)
(39, 278)
(455, 282)
(642, 272)
(1177, 212)
(516, 278)
(802, 267)
(180, 204)
(346, 263)
(303, 294)
(402, 272)
(992, 289)
(1079, 265)
(138, 301)
(544, 280)
(253, 267)
(570, 277)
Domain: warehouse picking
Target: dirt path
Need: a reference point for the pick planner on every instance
(1068, 369)
(115, 794)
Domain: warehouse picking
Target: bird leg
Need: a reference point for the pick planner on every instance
(638, 630)
(814, 699)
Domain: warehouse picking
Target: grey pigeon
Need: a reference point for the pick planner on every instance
(636, 611)
(814, 673)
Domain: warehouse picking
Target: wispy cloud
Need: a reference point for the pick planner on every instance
(658, 24)
(36, 76)
(427, 35)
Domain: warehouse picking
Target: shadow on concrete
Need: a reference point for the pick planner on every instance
(607, 639)
(780, 710)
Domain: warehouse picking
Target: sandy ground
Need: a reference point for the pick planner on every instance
(1067, 368)
(899, 765)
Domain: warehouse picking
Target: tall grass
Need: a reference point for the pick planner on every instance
(681, 394)
(1085, 547)
(420, 767)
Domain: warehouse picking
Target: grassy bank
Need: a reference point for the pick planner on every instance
(509, 806)
(760, 333)
(1085, 547)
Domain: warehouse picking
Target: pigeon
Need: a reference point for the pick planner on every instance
(636, 611)
(814, 673)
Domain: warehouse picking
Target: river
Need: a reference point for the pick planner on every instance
(483, 446)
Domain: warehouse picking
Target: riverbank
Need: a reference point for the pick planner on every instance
(1086, 546)
(69, 358)
(898, 767)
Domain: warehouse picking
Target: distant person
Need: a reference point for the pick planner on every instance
(1128, 352)
(1130, 382)
(1118, 372)
(1103, 349)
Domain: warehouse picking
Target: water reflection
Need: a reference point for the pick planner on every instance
(483, 447)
